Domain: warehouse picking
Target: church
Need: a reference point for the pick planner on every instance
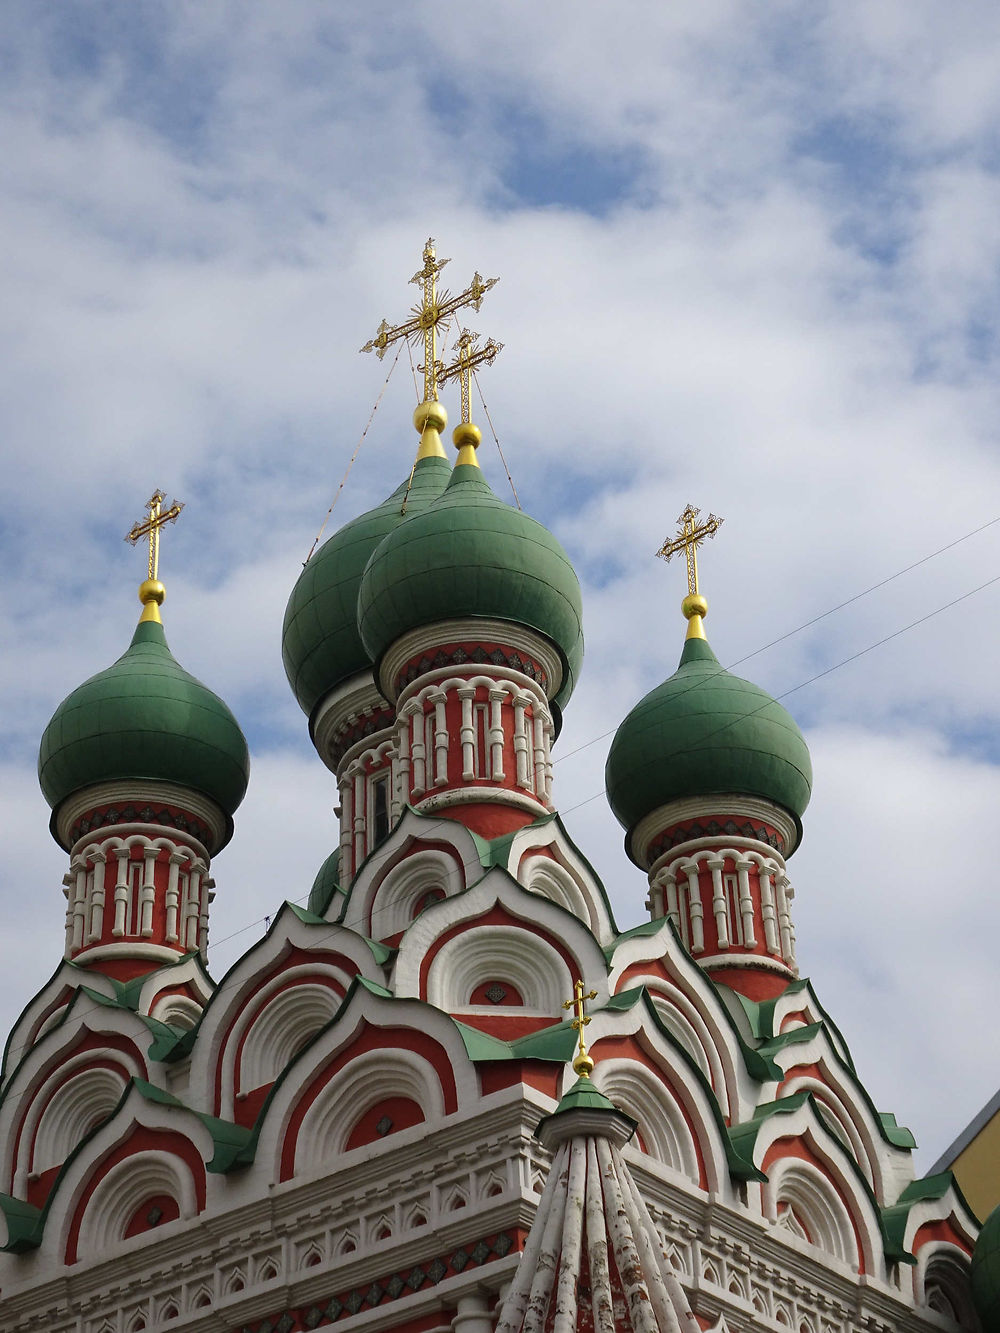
(449, 1093)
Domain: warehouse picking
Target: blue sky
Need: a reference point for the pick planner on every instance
(749, 258)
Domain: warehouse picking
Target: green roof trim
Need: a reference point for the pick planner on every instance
(144, 718)
(705, 732)
(898, 1135)
(583, 1096)
(229, 1139)
(929, 1188)
(24, 1225)
(469, 554)
(325, 885)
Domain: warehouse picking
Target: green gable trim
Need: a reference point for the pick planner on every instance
(24, 1230)
(898, 1135)
(229, 1138)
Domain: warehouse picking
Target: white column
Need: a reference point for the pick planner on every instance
(396, 794)
(67, 885)
(148, 894)
(97, 898)
(784, 919)
(497, 697)
(523, 768)
(192, 905)
(346, 828)
(207, 885)
(767, 911)
(403, 753)
(418, 750)
(472, 1314)
(549, 735)
(743, 869)
(468, 733)
(539, 757)
(695, 908)
(176, 860)
(79, 869)
(121, 892)
(360, 822)
(438, 699)
(672, 905)
(719, 908)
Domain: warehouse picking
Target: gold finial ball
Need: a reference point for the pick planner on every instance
(694, 605)
(466, 433)
(583, 1065)
(152, 590)
(430, 414)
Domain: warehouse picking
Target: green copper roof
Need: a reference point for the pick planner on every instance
(326, 884)
(144, 717)
(320, 643)
(469, 554)
(986, 1272)
(705, 732)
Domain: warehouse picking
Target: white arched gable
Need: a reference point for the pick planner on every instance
(543, 875)
(664, 1130)
(397, 898)
(82, 1102)
(839, 1120)
(125, 1187)
(281, 1029)
(268, 1043)
(941, 1282)
(689, 1031)
(180, 1011)
(43, 1093)
(367, 1080)
(499, 953)
(818, 1213)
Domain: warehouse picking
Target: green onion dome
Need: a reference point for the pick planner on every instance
(705, 732)
(471, 555)
(326, 884)
(986, 1272)
(144, 718)
(320, 643)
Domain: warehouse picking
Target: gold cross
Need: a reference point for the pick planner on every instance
(583, 1064)
(469, 356)
(434, 308)
(150, 527)
(690, 537)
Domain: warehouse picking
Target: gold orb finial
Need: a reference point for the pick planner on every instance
(583, 1065)
(467, 439)
(151, 594)
(430, 419)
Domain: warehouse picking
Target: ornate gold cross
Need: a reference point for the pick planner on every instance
(583, 1064)
(150, 527)
(469, 356)
(434, 308)
(690, 537)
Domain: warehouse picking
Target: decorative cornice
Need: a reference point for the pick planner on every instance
(354, 711)
(726, 816)
(141, 801)
(491, 795)
(156, 953)
(532, 652)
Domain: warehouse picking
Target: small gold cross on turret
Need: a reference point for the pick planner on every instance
(433, 310)
(469, 357)
(583, 1065)
(151, 592)
(691, 535)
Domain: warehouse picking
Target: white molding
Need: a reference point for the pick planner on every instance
(484, 795)
(701, 807)
(141, 791)
(157, 953)
(355, 697)
(427, 637)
